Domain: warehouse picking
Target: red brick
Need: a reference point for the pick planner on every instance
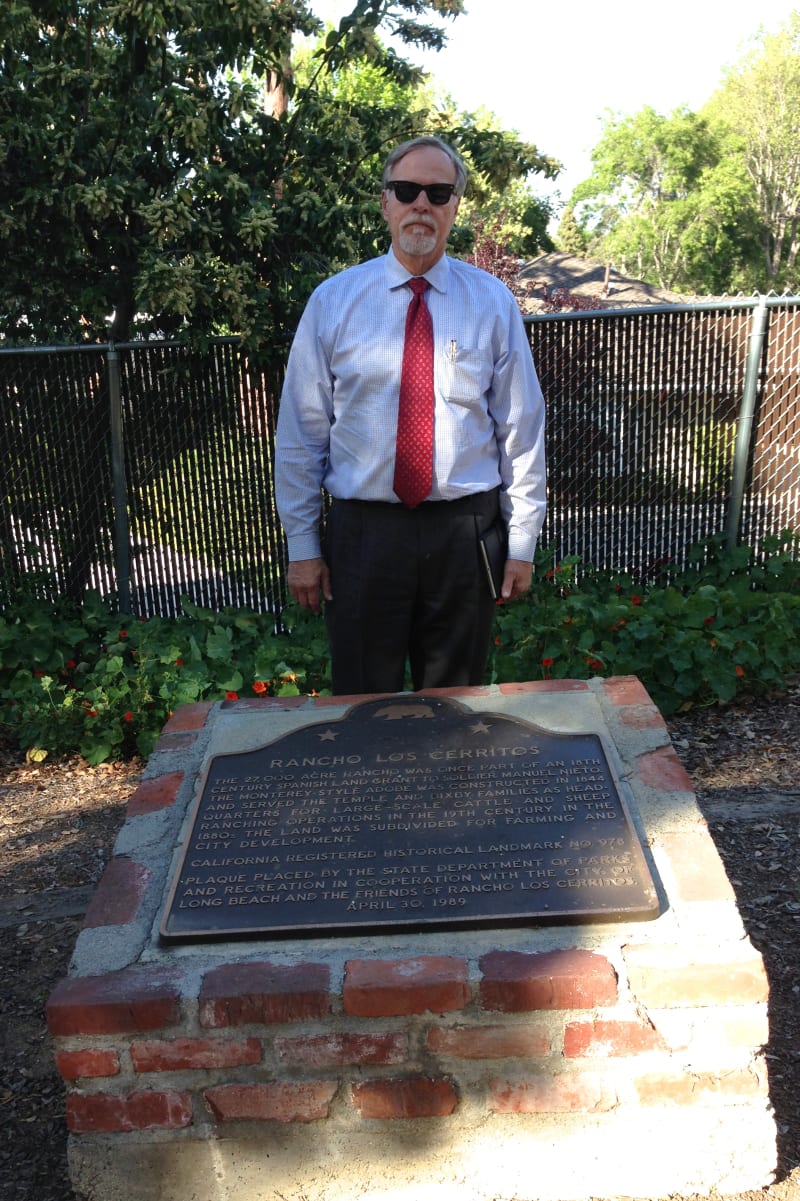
(410, 1097)
(188, 717)
(132, 1000)
(581, 1093)
(307, 1102)
(237, 994)
(627, 690)
(490, 1042)
(544, 686)
(108, 1113)
(517, 981)
(698, 1088)
(609, 1038)
(390, 988)
(119, 894)
(160, 1055)
(73, 1065)
(665, 976)
(697, 870)
(334, 1050)
(155, 794)
(663, 769)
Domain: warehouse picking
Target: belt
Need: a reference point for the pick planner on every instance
(475, 502)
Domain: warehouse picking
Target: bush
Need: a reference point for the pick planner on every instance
(78, 679)
(727, 624)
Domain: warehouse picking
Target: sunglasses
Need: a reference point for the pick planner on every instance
(406, 192)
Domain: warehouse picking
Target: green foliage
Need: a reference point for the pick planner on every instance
(571, 237)
(77, 679)
(164, 169)
(663, 204)
(729, 623)
(756, 112)
(706, 202)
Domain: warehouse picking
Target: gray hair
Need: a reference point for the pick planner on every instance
(405, 148)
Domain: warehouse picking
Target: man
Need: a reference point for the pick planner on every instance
(404, 579)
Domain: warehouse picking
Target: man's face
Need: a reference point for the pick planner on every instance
(420, 229)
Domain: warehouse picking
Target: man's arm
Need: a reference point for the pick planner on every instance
(302, 444)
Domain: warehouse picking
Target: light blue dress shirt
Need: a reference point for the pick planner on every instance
(338, 412)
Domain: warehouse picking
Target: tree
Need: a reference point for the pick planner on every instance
(663, 203)
(571, 237)
(162, 171)
(148, 174)
(758, 106)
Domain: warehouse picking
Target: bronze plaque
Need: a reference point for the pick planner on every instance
(408, 812)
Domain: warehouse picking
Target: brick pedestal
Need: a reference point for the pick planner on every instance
(480, 1065)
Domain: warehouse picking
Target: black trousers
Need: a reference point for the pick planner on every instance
(408, 585)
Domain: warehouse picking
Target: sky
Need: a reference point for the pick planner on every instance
(551, 71)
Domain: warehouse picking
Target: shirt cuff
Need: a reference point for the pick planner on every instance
(521, 547)
(303, 546)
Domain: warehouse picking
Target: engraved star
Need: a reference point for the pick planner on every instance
(328, 735)
(480, 727)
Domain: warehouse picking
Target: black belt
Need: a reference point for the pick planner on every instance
(475, 502)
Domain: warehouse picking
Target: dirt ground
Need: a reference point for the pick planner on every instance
(58, 823)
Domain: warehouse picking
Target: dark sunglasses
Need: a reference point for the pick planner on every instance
(406, 192)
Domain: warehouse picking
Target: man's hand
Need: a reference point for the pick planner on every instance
(516, 579)
(309, 580)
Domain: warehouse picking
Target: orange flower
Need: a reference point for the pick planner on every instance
(231, 696)
(739, 670)
(259, 686)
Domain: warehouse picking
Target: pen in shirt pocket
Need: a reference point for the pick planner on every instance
(453, 350)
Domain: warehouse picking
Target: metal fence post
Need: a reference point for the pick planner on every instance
(122, 554)
(744, 432)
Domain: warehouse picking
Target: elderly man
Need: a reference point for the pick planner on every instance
(411, 398)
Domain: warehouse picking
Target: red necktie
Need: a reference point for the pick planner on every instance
(413, 470)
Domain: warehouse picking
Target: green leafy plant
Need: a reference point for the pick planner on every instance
(728, 623)
(82, 680)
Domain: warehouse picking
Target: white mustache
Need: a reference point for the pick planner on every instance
(419, 221)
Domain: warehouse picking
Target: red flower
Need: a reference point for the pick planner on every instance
(636, 600)
(91, 713)
(123, 633)
(179, 662)
(129, 716)
(707, 621)
(71, 664)
(259, 686)
(231, 696)
(548, 662)
(739, 670)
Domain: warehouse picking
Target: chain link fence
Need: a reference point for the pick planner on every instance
(144, 471)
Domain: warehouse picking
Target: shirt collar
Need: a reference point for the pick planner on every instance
(397, 275)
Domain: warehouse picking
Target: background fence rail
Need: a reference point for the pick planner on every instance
(144, 470)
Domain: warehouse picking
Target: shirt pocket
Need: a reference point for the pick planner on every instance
(463, 376)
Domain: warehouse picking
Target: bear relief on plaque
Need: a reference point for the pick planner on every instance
(402, 813)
